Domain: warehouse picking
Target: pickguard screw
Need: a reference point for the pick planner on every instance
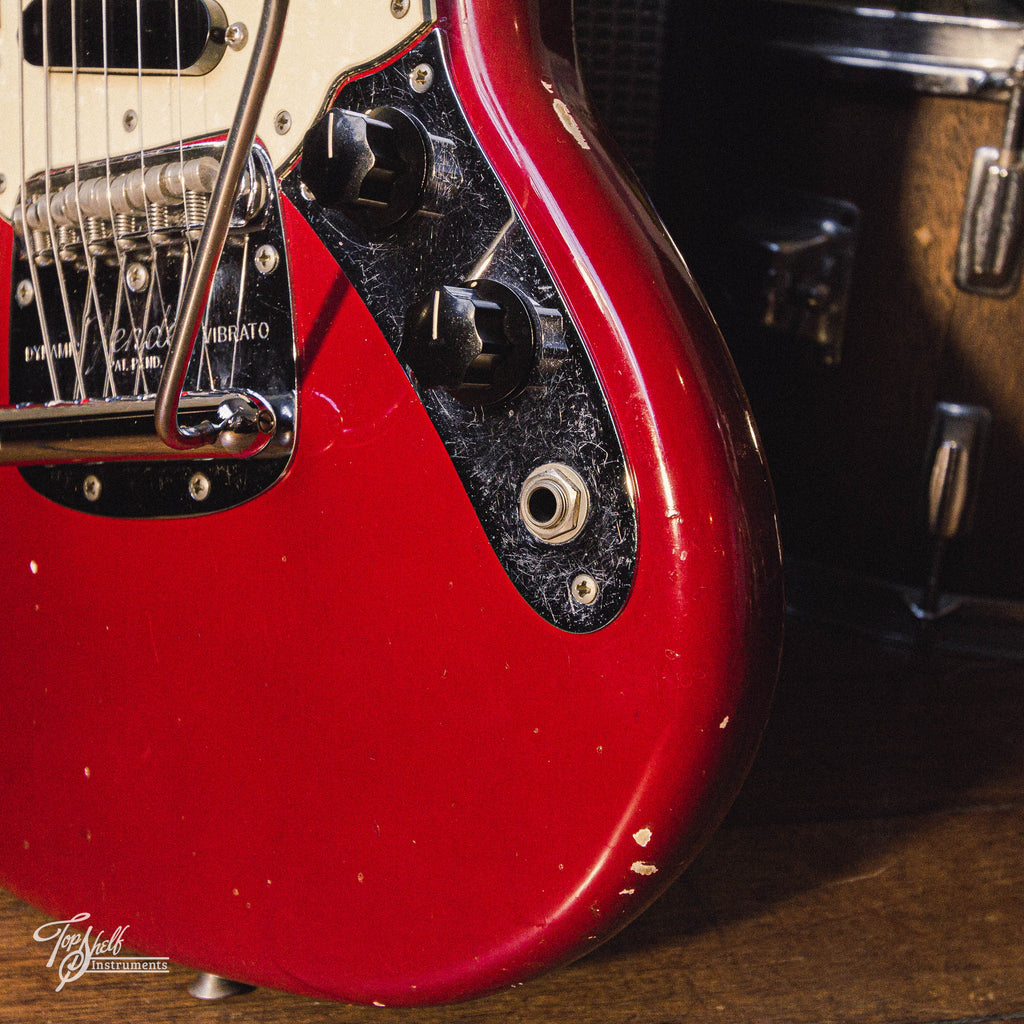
(136, 277)
(199, 486)
(400, 8)
(282, 122)
(421, 78)
(3, 182)
(267, 259)
(584, 589)
(24, 293)
(236, 36)
(91, 487)
(130, 120)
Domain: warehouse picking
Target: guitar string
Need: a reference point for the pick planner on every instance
(205, 347)
(152, 286)
(190, 240)
(27, 234)
(181, 103)
(92, 297)
(246, 258)
(155, 286)
(238, 310)
(120, 302)
(121, 299)
(154, 275)
(188, 250)
(140, 376)
(76, 355)
(204, 344)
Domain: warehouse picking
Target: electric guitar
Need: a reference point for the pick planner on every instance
(391, 585)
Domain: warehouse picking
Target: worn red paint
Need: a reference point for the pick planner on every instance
(319, 742)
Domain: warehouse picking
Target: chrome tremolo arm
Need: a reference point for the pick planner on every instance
(116, 429)
(211, 243)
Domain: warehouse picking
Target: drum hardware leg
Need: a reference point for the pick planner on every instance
(989, 254)
(953, 463)
(804, 251)
(210, 986)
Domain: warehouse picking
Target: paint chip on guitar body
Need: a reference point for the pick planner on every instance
(570, 124)
(638, 867)
(34, 567)
(643, 837)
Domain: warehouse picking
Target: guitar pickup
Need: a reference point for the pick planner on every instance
(186, 37)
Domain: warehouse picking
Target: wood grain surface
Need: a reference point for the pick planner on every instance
(872, 871)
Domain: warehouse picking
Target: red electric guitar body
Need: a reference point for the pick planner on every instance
(410, 716)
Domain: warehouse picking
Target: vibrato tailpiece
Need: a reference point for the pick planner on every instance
(151, 320)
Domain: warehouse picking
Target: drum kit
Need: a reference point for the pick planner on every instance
(846, 181)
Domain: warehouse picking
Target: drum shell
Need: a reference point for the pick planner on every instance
(847, 441)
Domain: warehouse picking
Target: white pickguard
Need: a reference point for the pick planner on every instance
(324, 41)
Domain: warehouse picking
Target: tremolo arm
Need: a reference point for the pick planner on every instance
(211, 244)
(122, 428)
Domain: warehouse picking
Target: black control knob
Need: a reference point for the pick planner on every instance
(372, 167)
(476, 340)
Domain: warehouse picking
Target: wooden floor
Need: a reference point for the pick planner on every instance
(872, 871)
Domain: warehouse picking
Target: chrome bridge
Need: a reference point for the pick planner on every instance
(128, 209)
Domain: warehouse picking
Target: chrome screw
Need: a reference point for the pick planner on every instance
(236, 35)
(24, 293)
(91, 487)
(421, 78)
(130, 120)
(3, 182)
(584, 589)
(265, 421)
(267, 259)
(400, 8)
(282, 122)
(199, 486)
(137, 277)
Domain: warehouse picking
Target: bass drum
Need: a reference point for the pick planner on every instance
(815, 164)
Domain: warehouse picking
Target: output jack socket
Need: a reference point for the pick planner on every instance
(554, 503)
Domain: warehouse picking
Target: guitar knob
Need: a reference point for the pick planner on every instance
(372, 167)
(476, 340)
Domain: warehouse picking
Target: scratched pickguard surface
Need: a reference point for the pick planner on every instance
(561, 415)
